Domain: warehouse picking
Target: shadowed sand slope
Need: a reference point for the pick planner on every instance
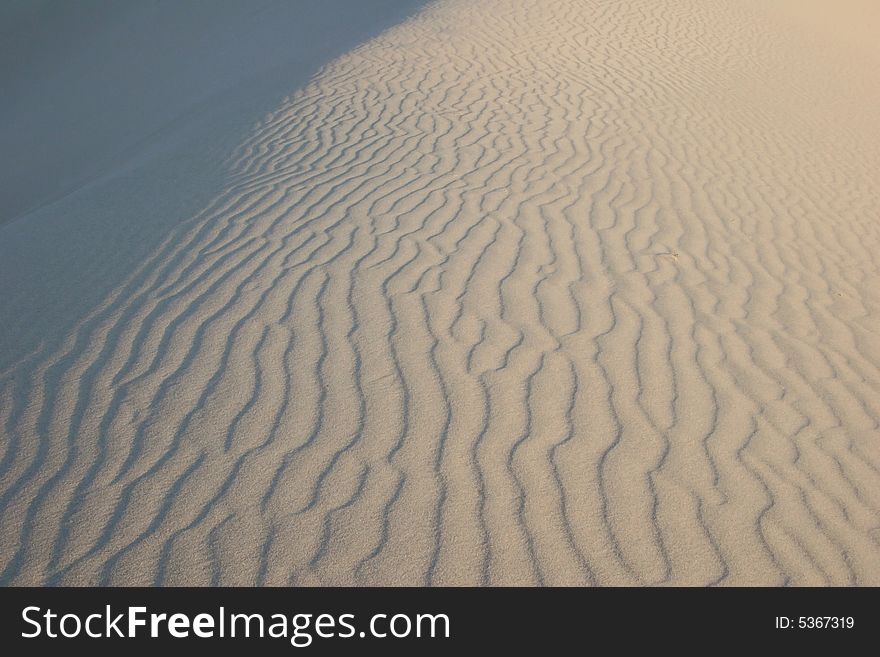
(515, 293)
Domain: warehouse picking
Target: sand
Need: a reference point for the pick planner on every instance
(499, 292)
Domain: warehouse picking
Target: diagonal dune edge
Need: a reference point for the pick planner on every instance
(543, 293)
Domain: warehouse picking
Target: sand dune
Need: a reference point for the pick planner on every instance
(561, 292)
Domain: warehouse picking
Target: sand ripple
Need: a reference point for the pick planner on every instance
(516, 293)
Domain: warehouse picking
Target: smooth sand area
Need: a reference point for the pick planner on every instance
(553, 292)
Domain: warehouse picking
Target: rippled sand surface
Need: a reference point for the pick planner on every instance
(558, 292)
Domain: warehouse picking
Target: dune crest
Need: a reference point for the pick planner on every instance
(515, 293)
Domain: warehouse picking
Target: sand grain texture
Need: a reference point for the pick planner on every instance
(515, 292)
